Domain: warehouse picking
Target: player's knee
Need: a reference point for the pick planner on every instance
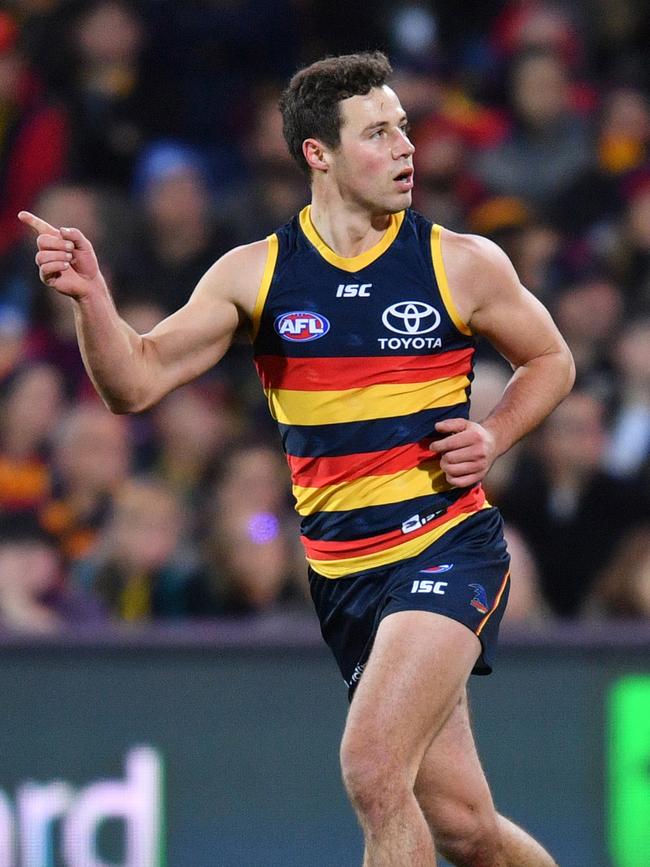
(468, 837)
(375, 785)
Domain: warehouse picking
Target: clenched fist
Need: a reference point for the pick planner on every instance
(466, 450)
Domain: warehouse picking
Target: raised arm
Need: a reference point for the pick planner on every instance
(132, 372)
(491, 299)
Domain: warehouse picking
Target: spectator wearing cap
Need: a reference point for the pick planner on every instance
(34, 135)
(181, 236)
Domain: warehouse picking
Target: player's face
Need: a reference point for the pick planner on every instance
(373, 165)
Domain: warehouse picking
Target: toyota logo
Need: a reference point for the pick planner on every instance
(411, 317)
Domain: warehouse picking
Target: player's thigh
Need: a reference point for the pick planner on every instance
(416, 672)
(450, 786)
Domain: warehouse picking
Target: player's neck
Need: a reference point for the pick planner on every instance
(347, 231)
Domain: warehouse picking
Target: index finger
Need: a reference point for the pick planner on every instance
(447, 444)
(40, 227)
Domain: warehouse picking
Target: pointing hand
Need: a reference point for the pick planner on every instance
(66, 260)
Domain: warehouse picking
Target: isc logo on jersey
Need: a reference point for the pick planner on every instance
(301, 326)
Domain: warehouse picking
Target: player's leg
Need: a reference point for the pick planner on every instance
(414, 678)
(454, 796)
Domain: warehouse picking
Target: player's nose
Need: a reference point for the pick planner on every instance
(403, 146)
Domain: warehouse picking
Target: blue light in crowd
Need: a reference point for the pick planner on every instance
(262, 527)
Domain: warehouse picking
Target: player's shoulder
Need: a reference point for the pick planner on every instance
(473, 252)
(246, 257)
(238, 273)
(476, 264)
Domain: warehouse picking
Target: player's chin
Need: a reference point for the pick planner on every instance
(399, 201)
(405, 196)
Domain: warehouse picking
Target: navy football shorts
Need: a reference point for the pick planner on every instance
(463, 575)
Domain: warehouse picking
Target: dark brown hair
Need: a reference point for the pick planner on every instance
(310, 105)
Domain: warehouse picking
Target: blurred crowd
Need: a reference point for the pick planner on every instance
(153, 127)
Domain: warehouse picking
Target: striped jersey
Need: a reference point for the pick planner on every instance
(359, 358)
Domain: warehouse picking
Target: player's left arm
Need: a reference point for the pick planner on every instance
(489, 296)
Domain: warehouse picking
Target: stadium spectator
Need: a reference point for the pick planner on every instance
(181, 236)
(275, 187)
(628, 453)
(569, 510)
(253, 563)
(533, 245)
(192, 428)
(446, 189)
(549, 144)
(31, 404)
(254, 473)
(91, 458)
(590, 207)
(623, 588)
(13, 331)
(139, 569)
(33, 134)
(118, 101)
(569, 202)
(630, 257)
(34, 595)
(589, 314)
(250, 565)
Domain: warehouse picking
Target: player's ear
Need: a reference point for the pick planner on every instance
(315, 154)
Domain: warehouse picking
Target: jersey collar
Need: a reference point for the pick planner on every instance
(352, 263)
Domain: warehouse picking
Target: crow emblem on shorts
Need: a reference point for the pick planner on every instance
(480, 600)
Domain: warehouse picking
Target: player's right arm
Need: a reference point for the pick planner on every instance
(132, 372)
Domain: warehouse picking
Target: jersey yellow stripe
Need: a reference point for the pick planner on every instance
(364, 404)
(410, 548)
(420, 481)
(265, 285)
(443, 284)
(352, 263)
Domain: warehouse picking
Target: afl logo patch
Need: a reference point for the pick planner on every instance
(301, 326)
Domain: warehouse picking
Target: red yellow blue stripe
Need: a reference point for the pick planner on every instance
(335, 374)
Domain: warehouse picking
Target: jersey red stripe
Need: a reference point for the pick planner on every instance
(319, 549)
(320, 472)
(335, 374)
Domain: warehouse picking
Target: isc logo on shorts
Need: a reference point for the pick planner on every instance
(427, 586)
(301, 326)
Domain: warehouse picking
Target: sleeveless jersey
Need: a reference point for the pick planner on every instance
(359, 358)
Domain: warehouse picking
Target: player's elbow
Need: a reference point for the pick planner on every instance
(569, 369)
(127, 404)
